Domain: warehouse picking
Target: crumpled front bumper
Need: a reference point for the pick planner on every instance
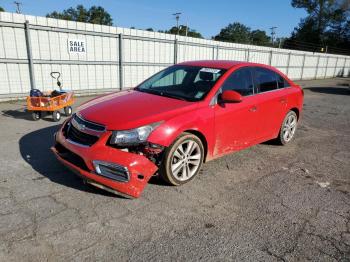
(140, 168)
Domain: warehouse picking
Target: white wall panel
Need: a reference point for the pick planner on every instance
(308, 73)
(296, 60)
(259, 57)
(294, 73)
(4, 80)
(14, 78)
(20, 43)
(66, 77)
(99, 69)
(9, 42)
(279, 59)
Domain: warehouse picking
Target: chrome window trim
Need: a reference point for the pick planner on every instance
(259, 93)
(214, 100)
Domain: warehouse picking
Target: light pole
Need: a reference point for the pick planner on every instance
(177, 17)
(273, 33)
(18, 7)
(186, 29)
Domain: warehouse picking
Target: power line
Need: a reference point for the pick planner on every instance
(306, 46)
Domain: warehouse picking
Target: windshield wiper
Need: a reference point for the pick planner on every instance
(160, 93)
(173, 96)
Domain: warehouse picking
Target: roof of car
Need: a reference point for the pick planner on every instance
(224, 64)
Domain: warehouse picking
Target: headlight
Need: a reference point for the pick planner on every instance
(132, 136)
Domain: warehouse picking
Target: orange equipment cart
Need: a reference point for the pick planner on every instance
(52, 103)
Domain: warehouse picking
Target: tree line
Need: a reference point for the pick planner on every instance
(326, 28)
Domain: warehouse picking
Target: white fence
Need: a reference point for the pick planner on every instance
(118, 58)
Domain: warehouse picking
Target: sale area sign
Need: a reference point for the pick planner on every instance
(76, 46)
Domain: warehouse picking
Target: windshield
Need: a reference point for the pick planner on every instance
(190, 83)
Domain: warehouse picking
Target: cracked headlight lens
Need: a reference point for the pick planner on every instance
(133, 136)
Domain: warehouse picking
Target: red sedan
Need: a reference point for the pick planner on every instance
(174, 121)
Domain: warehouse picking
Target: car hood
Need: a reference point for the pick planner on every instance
(130, 109)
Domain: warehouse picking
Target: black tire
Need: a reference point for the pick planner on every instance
(36, 115)
(166, 171)
(68, 110)
(281, 139)
(56, 116)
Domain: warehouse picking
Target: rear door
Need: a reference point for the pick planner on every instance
(236, 123)
(272, 102)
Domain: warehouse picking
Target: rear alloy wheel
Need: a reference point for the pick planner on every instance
(183, 160)
(288, 128)
(56, 116)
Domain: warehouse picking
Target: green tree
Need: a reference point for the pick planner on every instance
(183, 30)
(326, 24)
(259, 37)
(239, 33)
(95, 15)
(98, 15)
(236, 32)
(2, 9)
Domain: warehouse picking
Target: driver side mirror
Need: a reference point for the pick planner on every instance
(230, 96)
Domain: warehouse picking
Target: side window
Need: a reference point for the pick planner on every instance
(281, 81)
(240, 81)
(265, 79)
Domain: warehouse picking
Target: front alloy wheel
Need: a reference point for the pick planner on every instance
(183, 160)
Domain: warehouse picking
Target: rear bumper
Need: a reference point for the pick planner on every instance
(139, 167)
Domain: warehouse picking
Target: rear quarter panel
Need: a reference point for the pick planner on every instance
(295, 99)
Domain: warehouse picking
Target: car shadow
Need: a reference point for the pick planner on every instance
(158, 181)
(35, 150)
(272, 142)
(330, 90)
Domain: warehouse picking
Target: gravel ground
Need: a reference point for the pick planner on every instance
(266, 203)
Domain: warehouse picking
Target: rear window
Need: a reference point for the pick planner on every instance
(281, 81)
(265, 80)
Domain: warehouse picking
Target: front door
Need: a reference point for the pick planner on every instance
(235, 123)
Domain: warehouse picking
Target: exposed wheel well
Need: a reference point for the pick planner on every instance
(296, 110)
(202, 138)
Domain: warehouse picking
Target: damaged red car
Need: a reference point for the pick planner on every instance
(175, 121)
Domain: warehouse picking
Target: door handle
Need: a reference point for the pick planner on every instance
(253, 109)
(283, 100)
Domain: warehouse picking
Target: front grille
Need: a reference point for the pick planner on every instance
(88, 124)
(79, 137)
(81, 131)
(71, 157)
